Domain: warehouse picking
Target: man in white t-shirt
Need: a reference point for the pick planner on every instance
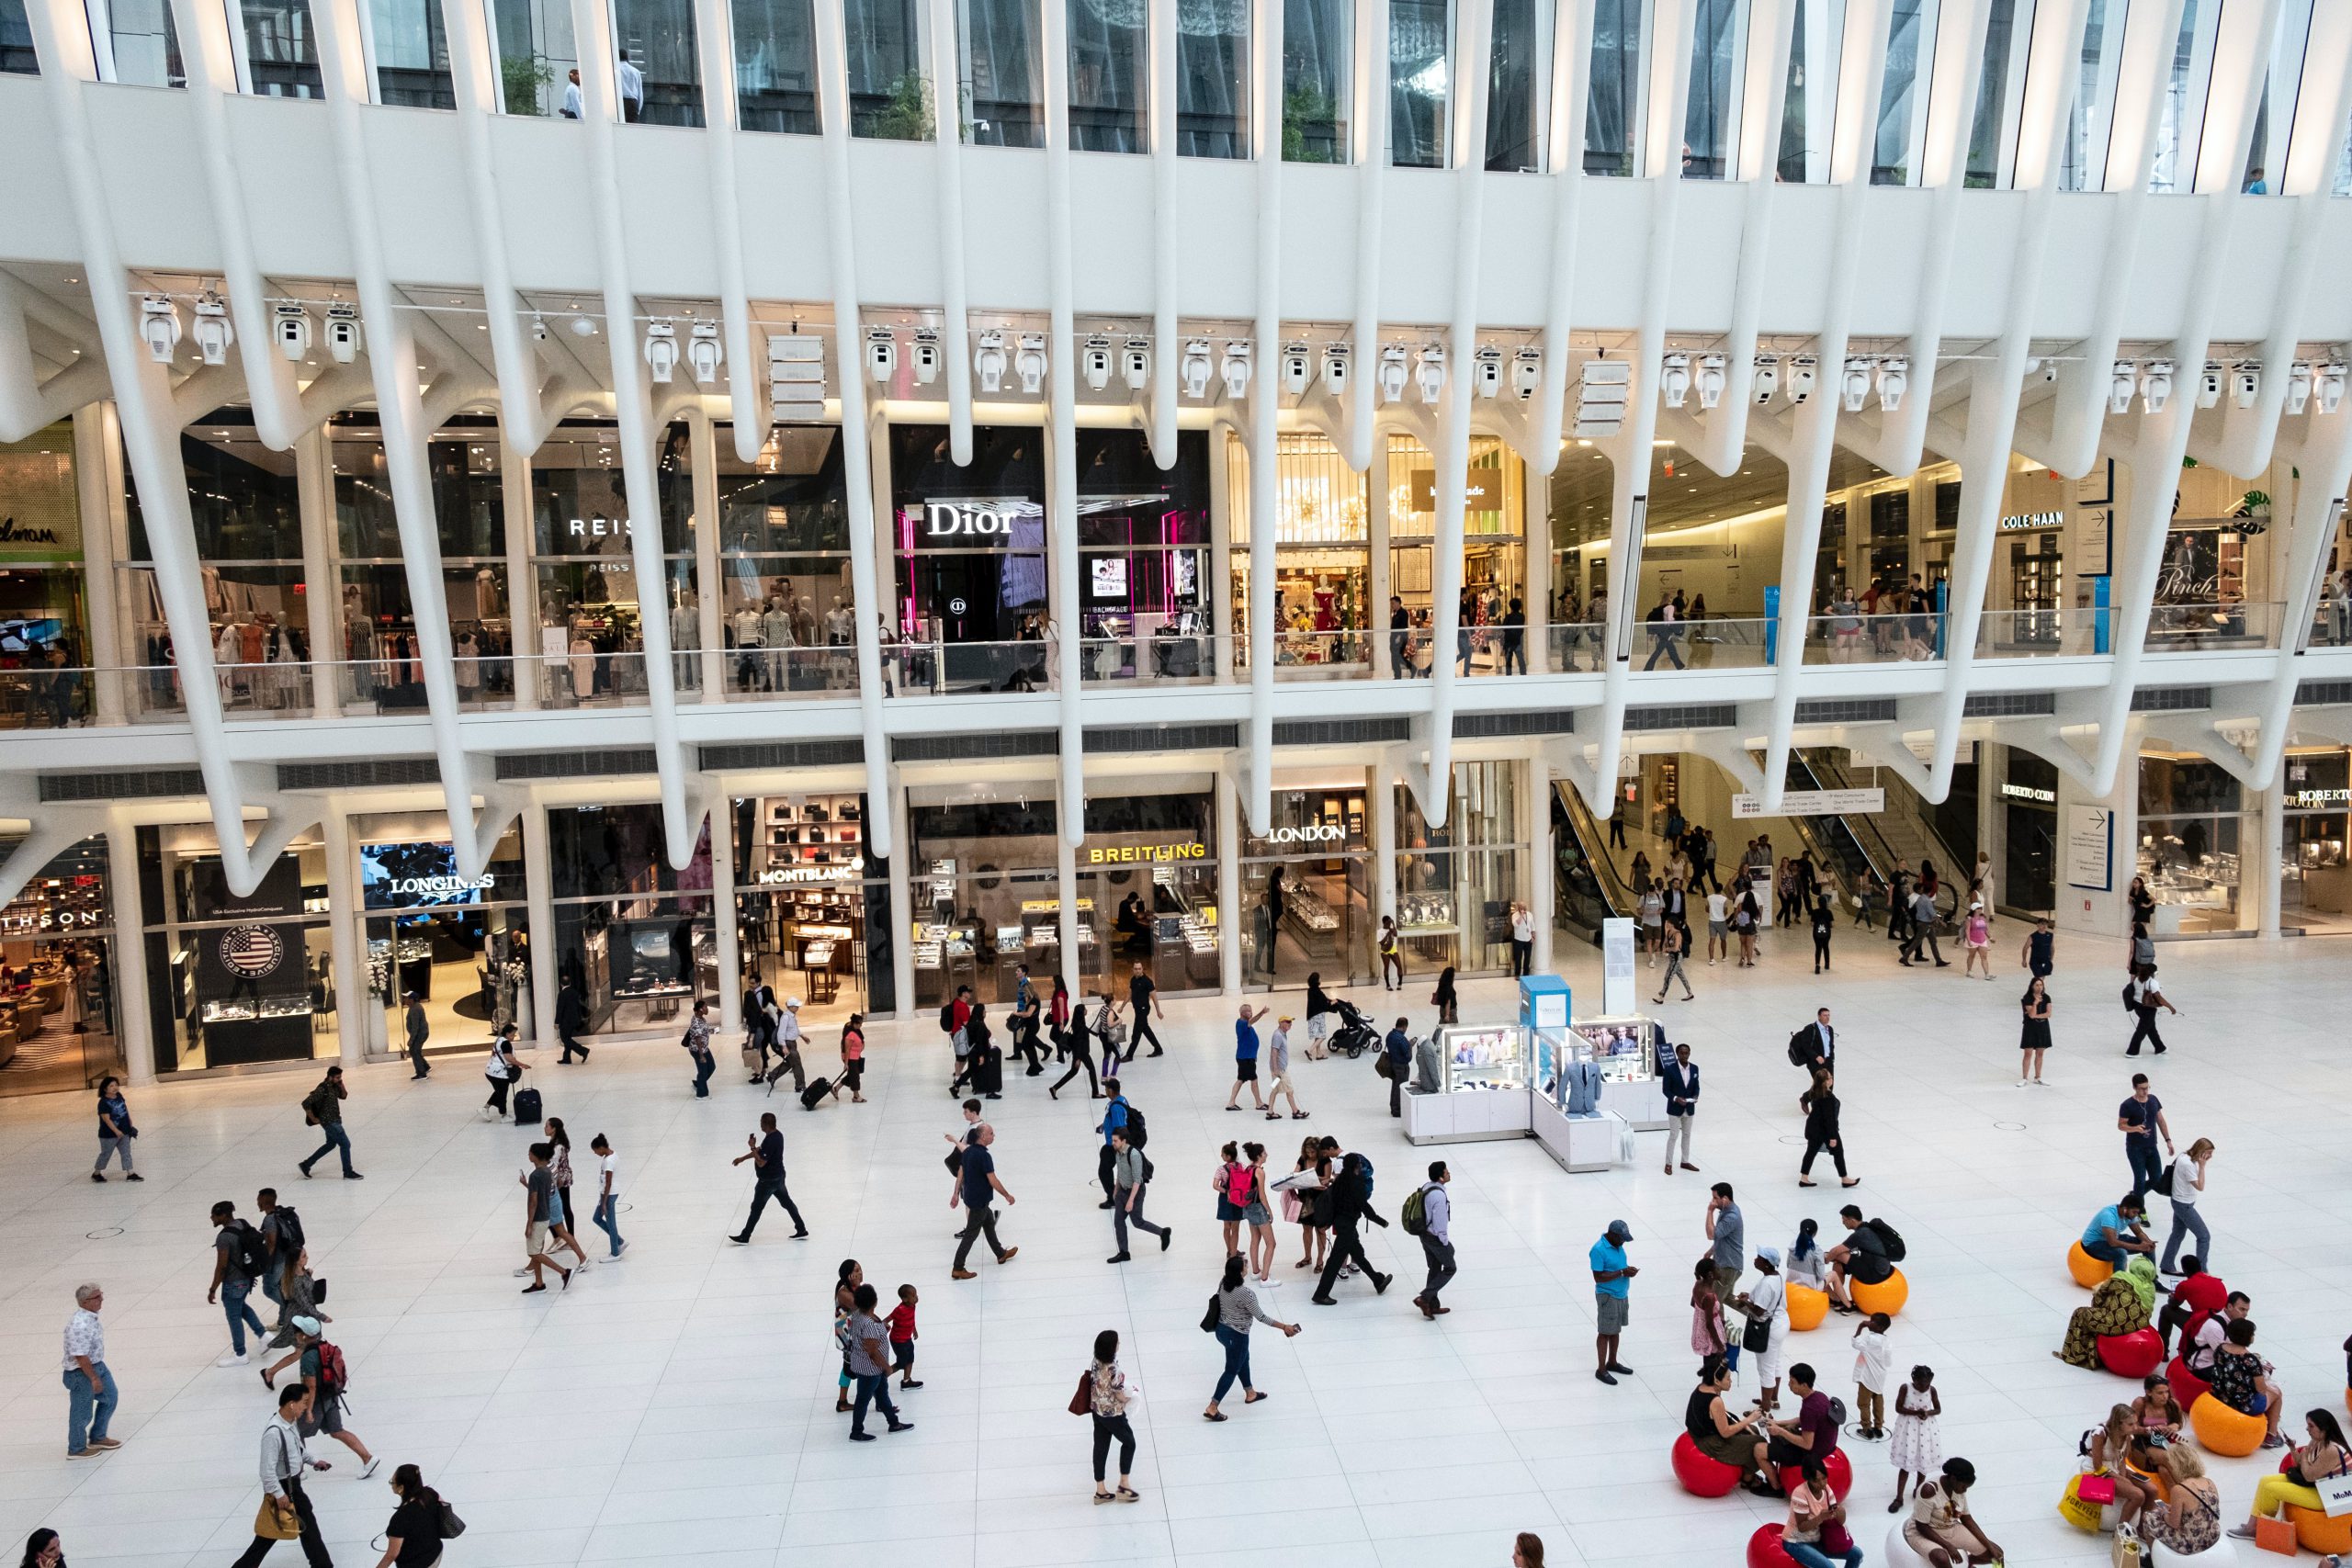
(787, 1046)
(608, 1193)
(1718, 926)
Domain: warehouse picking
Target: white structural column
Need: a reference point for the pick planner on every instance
(1571, 85)
(1996, 380)
(1541, 866)
(710, 583)
(591, 25)
(539, 907)
(1061, 482)
(1159, 421)
(1231, 931)
(27, 402)
(1377, 525)
(948, 135)
(1431, 771)
(150, 427)
(727, 936)
(134, 1020)
(1381, 786)
(1861, 71)
(1265, 408)
(522, 578)
(322, 591)
(95, 439)
(358, 1010)
(1368, 144)
(891, 806)
(2241, 53)
(857, 481)
(746, 378)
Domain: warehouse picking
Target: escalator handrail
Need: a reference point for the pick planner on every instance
(1614, 890)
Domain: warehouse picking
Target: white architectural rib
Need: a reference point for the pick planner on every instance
(1061, 450)
(2241, 53)
(1432, 772)
(1264, 412)
(722, 120)
(1997, 385)
(1369, 137)
(947, 133)
(1160, 422)
(857, 473)
(1862, 73)
(1571, 49)
(632, 406)
(28, 404)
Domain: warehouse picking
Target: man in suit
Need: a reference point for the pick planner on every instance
(759, 1021)
(1681, 1079)
(1820, 1042)
(417, 1031)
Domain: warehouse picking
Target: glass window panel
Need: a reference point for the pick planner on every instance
(1004, 83)
(2006, 23)
(146, 44)
(537, 59)
(889, 93)
(242, 494)
(16, 39)
(2082, 161)
(412, 54)
(1711, 125)
(660, 80)
(1809, 110)
(776, 65)
(1616, 90)
(2277, 97)
(1317, 68)
(1108, 88)
(1518, 84)
(1909, 44)
(468, 502)
(1212, 79)
(1419, 39)
(281, 49)
(2176, 162)
(2343, 185)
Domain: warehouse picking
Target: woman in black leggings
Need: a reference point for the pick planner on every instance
(1821, 1132)
(1106, 1394)
(1082, 1056)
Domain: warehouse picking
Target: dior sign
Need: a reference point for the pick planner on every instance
(968, 520)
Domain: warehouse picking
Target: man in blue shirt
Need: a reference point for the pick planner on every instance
(2141, 1119)
(2114, 1233)
(1245, 1058)
(1400, 1048)
(1114, 1116)
(1612, 1283)
(978, 1190)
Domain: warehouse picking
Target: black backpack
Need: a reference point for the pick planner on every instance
(2131, 1004)
(289, 1230)
(252, 1260)
(1889, 1239)
(1801, 1046)
(1137, 1134)
(947, 1018)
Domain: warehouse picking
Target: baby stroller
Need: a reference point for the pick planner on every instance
(1355, 1035)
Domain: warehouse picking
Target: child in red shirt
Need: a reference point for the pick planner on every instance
(902, 1322)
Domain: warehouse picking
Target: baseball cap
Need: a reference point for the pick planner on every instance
(1620, 1231)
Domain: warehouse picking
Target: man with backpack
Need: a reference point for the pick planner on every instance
(281, 1244)
(1428, 1213)
(238, 1261)
(325, 1374)
(953, 1014)
(322, 1108)
(1814, 1048)
(1116, 1117)
(1866, 1257)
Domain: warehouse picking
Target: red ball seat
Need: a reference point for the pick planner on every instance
(2133, 1355)
(1701, 1476)
(1840, 1468)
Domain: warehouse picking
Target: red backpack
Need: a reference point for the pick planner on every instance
(333, 1376)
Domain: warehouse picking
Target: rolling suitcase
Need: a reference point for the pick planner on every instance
(815, 1092)
(527, 1112)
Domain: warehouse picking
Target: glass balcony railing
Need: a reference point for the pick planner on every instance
(2204, 629)
(1315, 656)
(1163, 657)
(1872, 639)
(755, 674)
(936, 669)
(2043, 634)
(1708, 644)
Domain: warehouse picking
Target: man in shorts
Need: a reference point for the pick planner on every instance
(1278, 1053)
(538, 1215)
(1612, 1283)
(1860, 1259)
(1245, 1058)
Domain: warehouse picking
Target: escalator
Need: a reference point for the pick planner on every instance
(1844, 847)
(1587, 887)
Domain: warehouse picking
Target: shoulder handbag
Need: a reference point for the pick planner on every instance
(276, 1521)
(1756, 1334)
(452, 1527)
(1082, 1401)
(2099, 1489)
(1214, 1315)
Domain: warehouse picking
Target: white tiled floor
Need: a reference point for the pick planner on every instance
(678, 1406)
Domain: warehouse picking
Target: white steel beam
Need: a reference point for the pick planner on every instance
(1167, 287)
(947, 132)
(1368, 136)
(27, 402)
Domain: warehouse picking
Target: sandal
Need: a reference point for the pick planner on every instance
(1213, 1415)
(1129, 1494)
(1254, 1398)
(1101, 1497)
(1299, 1115)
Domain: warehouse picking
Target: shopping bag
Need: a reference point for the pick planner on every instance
(2274, 1534)
(277, 1520)
(2085, 1517)
(2335, 1495)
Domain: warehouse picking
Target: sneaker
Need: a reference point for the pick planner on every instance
(523, 1271)
(369, 1468)
(96, 1176)
(2241, 1532)
(233, 1359)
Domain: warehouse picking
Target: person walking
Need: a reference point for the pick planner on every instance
(2039, 953)
(1437, 1239)
(853, 1060)
(539, 1220)
(1681, 1086)
(1522, 939)
(565, 1216)
(1235, 1308)
(2033, 1036)
(1130, 1172)
(2141, 1119)
(1346, 1206)
(281, 1243)
(608, 1193)
(1825, 926)
(502, 1070)
(1143, 1001)
(1230, 1182)
(1105, 1392)
(285, 1506)
(977, 1189)
(2146, 997)
(903, 1335)
(414, 1537)
(418, 1029)
(1821, 1130)
(1278, 1085)
(1392, 955)
(765, 1151)
(1115, 1117)
(2188, 1187)
(1448, 1004)
(114, 1130)
(1976, 938)
(1613, 1278)
(759, 1025)
(697, 1042)
(1245, 1057)
(869, 1365)
(91, 1393)
(1675, 945)
(1028, 1010)
(571, 1018)
(1922, 944)
(237, 1263)
(323, 1106)
(1259, 1214)
(1079, 1040)
(787, 1047)
(1747, 916)
(322, 1371)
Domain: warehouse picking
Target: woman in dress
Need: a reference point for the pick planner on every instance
(1721, 1435)
(1449, 1008)
(1941, 1529)
(1706, 1312)
(1107, 1396)
(2125, 1302)
(1915, 1445)
(1821, 1131)
(2033, 1037)
(2190, 1520)
(1314, 1231)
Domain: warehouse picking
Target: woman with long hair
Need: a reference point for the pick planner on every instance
(1078, 1039)
(2033, 1039)
(414, 1538)
(1314, 1230)
(115, 1131)
(1106, 1396)
(563, 1222)
(1237, 1306)
(1057, 1018)
(1232, 1183)
(1448, 1007)
(43, 1549)
(852, 1060)
(1259, 1212)
(1821, 1130)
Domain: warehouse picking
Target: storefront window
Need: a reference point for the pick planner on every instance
(591, 647)
(235, 979)
(2191, 826)
(2315, 878)
(45, 651)
(458, 944)
(633, 937)
(1322, 555)
(58, 1024)
(1147, 875)
(987, 898)
(1455, 883)
(1306, 886)
(972, 605)
(281, 48)
(1494, 547)
(786, 598)
(813, 904)
(1143, 538)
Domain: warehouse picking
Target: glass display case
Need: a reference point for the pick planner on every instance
(1624, 1048)
(1311, 922)
(1484, 1056)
